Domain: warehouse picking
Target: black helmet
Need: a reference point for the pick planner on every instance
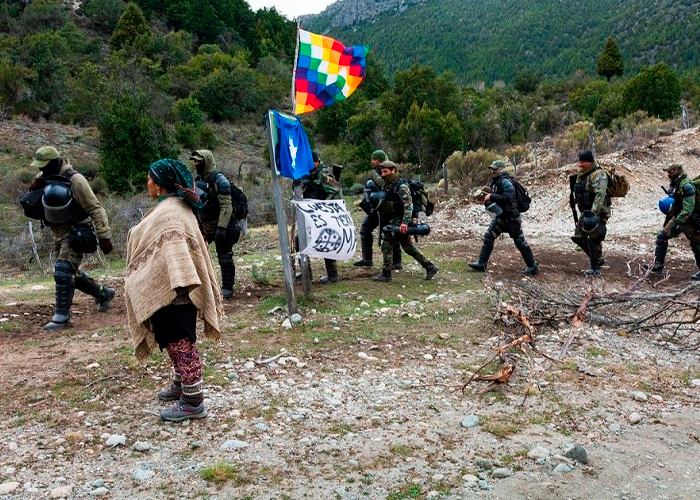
(57, 200)
(376, 198)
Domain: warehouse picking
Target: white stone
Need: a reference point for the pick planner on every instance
(286, 324)
(635, 418)
(99, 492)
(538, 453)
(233, 444)
(6, 488)
(141, 446)
(639, 396)
(295, 318)
(427, 357)
(695, 382)
(364, 305)
(116, 440)
(61, 491)
(12, 446)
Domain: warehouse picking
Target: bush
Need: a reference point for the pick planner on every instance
(228, 95)
(206, 137)
(470, 168)
(103, 14)
(585, 100)
(132, 136)
(44, 15)
(655, 90)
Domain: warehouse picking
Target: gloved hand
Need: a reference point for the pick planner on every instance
(220, 236)
(106, 245)
(668, 228)
(403, 228)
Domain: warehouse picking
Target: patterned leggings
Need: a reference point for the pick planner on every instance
(188, 367)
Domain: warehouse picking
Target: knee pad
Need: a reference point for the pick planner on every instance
(489, 237)
(226, 259)
(63, 270)
(520, 241)
(661, 239)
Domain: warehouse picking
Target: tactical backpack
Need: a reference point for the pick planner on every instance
(522, 198)
(618, 185)
(33, 202)
(421, 200)
(239, 200)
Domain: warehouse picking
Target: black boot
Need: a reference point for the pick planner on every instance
(595, 249)
(331, 270)
(484, 255)
(65, 287)
(366, 245)
(532, 266)
(103, 295)
(430, 270)
(228, 278)
(397, 266)
(385, 276)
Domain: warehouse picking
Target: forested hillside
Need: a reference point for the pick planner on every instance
(491, 40)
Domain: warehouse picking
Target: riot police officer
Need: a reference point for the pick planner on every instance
(74, 214)
(216, 215)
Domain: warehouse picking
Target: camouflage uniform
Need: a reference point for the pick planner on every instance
(682, 218)
(216, 216)
(321, 184)
(590, 191)
(67, 273)
(395, 210)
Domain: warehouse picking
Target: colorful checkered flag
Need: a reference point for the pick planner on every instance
(326, 71)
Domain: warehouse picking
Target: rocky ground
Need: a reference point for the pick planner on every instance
(363, 400)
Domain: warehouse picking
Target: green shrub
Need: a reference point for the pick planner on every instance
(656, 90)
(585, 100)
(228, 95)
(44, 15)
(103, 14)
(131, 27)
(470, 168)
(206, 137)
(132, 136)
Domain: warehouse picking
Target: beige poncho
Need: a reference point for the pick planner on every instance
(166, 251)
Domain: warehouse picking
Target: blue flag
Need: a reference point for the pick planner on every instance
(293, 150)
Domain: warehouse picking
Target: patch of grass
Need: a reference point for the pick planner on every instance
(594, 352)
(220, 472)
(402, 450)
(261, 275)
(502, 425)
(339, 428)
(410, 490)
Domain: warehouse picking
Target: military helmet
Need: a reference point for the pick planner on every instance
(57, 200)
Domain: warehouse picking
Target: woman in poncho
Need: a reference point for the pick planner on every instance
(170, 280)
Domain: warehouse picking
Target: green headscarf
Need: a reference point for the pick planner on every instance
(174, 176)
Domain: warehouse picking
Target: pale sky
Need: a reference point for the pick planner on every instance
(292, 8)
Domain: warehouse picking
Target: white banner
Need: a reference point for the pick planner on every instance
(330, 231)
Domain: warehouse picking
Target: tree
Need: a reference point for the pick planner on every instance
(203, 21)
(130, 27)
(526, 81)
(429, 136)
(586, 99)
(610, 61)
(656, 90)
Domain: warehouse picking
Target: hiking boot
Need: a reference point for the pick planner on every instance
(531, 270)
(397, 267)
(430, 271)
(104, 300)
(590, 273)
(228, 294)
(384, 277)
(696, 276)
(172, 393)
(362, 263)
(478, 266)
(184, 411)
(328, 279)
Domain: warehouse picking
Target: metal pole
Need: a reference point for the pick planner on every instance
(444, 175)
(281, 223)
(301, 233)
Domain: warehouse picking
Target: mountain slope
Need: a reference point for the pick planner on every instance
(487, 40)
